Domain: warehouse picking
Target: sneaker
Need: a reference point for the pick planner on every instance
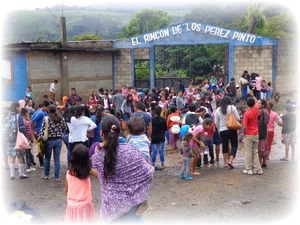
(248, 172)
(23, 176)
(30, 169)
(259, 172)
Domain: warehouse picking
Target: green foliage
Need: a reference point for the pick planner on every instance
(142, 71)
(86, 37)
(145, 21)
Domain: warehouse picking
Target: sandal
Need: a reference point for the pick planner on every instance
(45, 178)
(230, 164)
(56, 180)
(225, 165)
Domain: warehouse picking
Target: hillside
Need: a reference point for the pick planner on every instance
(44, 25)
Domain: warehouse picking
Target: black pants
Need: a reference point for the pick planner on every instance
(231, 135)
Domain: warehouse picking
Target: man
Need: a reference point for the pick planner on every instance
(71, 99)
(118, 100)
(180, 85)
(138, 109)
(250, 126)
(37, 120)
(53, 90)
(46, 98)
(192, 117)
(231, 87)
(214, 83)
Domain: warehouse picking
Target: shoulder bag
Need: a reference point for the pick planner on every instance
(21, 141)
(231, 121)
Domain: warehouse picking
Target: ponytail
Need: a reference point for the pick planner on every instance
(110, 127)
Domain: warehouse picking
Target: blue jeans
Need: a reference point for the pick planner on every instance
(244, 94)
(65, 139)
(125, 116)
(56, 146)
(160, 148)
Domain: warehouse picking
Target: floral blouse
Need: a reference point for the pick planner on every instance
(55, 130)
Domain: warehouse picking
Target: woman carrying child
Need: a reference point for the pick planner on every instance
(80, 208)
(125, 176)
(186, 150)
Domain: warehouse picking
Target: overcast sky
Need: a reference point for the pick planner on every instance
(32, 4)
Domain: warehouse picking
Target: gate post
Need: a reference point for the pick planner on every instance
(152, 67)
(230, 61)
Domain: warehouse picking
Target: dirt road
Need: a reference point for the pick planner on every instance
(219, 195)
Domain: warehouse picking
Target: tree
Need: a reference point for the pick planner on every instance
(86, 37)
(256, 19)
(145, 21)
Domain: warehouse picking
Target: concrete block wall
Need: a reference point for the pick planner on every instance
(258, 59)
(123, 68)
(287, 74)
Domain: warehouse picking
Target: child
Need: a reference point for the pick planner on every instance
(221, 85)
(218, 95)
(28, 153)
(136, 127)
(195, 142)
(124, 90)
(187, 154)
(80, 208)
(106, 103)
(241, 131)
(263, 94)
(209, 142)
(289, 123)
(163, 103)
(180, 101)
(269, 91)
(277, 97)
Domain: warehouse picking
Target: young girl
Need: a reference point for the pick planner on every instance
(197, 132)
(186, 151)
(163, 103)
(263, 94)
(269, 91)
(80, 208)
(124, 90)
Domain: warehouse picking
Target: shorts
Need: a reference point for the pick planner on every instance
(290, 139)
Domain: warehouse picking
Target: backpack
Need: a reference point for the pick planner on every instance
(192, 119)
(10, 128)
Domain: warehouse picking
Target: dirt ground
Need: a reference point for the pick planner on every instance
(219, 195)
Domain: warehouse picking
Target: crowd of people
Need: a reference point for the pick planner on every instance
(116, 136)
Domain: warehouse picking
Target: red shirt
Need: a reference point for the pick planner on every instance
(170, 123)
(210, 132)
(251, 121)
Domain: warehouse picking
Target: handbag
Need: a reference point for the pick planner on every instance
(45, 136)
(21, 141)
(175, 129)
(262, 128)
(231, 122)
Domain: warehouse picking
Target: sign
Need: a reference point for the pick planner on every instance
(194, 33)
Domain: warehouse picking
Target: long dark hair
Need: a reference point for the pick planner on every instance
(128, 102)
(53, 114)
(157, 110)
(14, 106)
(80, 163)
(99, 111)
(70, 114)
(110, 127)
(226, 101)
(78, 111)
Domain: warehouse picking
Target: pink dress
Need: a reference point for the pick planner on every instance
(80, 208)
(189, 96)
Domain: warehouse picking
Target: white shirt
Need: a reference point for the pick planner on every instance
(220, 119)
(53, 88)
(80, 126)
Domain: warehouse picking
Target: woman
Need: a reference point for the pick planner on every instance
(91, 105)
(81, 124)
(135, 95)
(159, 126)
(263, 115)
(124, 174)
(56, 128)
(188, 95)
(14, 120)
(225, 133)
(97, 120)
(28, 94)
(29, 106)
(271, 126)
(127, 107)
